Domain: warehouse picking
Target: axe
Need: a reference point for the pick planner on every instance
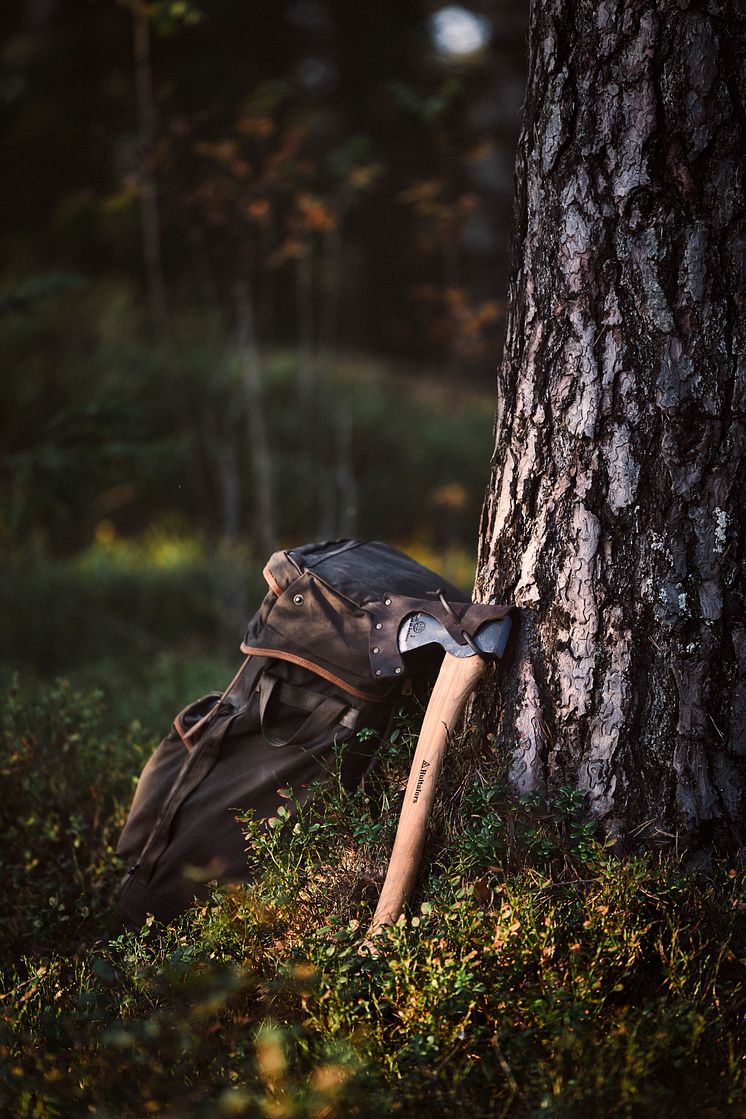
(471, 634)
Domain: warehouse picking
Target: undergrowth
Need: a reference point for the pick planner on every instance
(536, 974)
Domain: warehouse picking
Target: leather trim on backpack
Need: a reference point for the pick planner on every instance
(271, 581)
(184, 733)
(280, 654)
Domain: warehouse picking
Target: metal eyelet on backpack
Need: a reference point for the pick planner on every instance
(298, 599)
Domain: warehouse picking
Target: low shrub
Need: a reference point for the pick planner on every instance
(536, 974)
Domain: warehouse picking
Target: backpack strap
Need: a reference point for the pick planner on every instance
(324, 713)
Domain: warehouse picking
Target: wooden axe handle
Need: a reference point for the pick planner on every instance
(456, 681)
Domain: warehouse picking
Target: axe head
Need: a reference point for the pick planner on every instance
(421, 629)
(463, 629)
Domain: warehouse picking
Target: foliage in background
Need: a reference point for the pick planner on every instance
(180, 298)
(538, 973)
(127, 601)
(103, 435)
(176, 144)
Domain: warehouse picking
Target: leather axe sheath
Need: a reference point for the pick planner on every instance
(471, 635)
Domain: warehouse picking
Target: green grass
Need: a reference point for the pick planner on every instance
(537, 974)
(127, 602)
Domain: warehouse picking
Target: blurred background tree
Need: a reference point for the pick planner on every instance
(253, 257)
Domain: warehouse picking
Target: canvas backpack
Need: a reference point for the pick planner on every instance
(288, 719)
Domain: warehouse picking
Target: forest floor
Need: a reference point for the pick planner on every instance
(536, 973)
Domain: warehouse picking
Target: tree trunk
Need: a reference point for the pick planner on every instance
(261, 456)
(304, 299)
(615, 512)
(348, 495)
(150, 215)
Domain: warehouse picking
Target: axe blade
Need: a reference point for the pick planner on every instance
(421, 629)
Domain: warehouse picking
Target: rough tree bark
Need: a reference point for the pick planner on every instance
(147, 129)
(615, 512)
(261, 456)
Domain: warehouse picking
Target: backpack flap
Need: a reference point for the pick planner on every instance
(311, 625)
(321, 605)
